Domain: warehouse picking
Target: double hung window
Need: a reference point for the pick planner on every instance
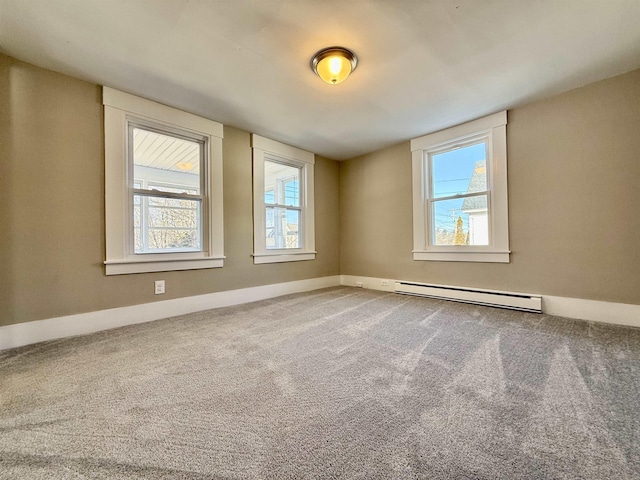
(168, 194)
(283, 202)
(460, 193)
(163, 187)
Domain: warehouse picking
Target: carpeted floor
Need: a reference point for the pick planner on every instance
(336, 383)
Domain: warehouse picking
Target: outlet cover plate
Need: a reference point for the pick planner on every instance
(159, 287)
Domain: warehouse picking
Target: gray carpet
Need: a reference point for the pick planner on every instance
(336, 383)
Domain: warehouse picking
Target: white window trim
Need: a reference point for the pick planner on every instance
(495, 128)
(119, 108)
(262, 147)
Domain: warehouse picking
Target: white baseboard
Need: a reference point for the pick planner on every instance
(593, 310)
(606, 312)
(20, 334)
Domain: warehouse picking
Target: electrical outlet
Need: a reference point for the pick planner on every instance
(159, 287)
(384, 283)
(359, 284)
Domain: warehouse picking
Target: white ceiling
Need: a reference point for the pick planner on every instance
(424, 65)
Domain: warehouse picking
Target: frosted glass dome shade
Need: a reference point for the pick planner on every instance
(334, 64)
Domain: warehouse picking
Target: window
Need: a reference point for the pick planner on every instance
(167, 191)
(163, 187)
(460, 193)
(282, 202)
(282, 205)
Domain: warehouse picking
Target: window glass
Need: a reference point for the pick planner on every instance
(291, 190)
(459, 171)
(158, 156)
(281, 184)
(457, 217)
(282, 228)
(282, 205)
(269, 196)
(173, 224)
(461, 221)
(167, 164)
(137, 218)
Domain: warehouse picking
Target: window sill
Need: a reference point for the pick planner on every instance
(124, 267)
(259, 258)
(449, 256)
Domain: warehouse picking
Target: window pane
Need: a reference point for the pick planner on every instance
(282, 228)
(137, 240)
(293, 228)
(160, 159)
(284, 182)
(137, 219)
(460, 221)
(170, 225)
(269, 197)
(270, 228)
(459, 171)
(291, 193)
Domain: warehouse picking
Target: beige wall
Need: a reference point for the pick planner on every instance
(574, 205)
(52, 208)
(574, 202)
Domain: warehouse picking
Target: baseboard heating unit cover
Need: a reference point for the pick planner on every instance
(515, 301)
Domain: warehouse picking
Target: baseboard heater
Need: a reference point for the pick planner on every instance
(513, 301)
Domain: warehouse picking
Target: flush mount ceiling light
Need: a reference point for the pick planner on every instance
(334, 64)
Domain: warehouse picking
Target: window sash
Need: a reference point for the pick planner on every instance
(431, 224)
(167, 131)
(275, 227)
(144, 228)
(450, 147)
